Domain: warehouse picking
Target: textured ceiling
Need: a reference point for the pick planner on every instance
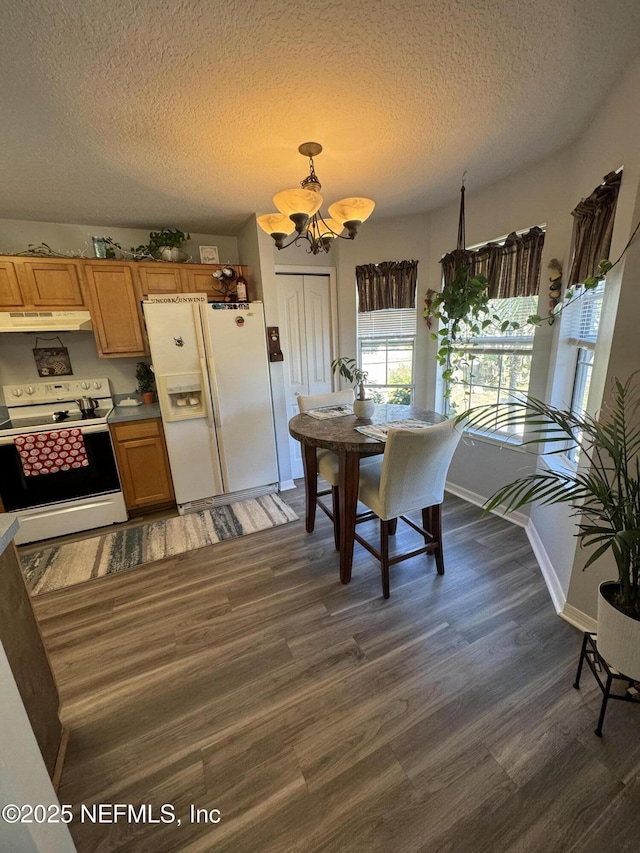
(188, 113)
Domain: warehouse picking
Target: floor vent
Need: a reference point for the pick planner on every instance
(222, 500)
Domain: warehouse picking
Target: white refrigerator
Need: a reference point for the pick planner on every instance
(212, 375)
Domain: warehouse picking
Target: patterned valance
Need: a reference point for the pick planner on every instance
(390, 284)
(592, 229)
(512, 268)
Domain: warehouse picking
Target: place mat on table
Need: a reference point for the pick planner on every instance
(326, 412)
(379, 431)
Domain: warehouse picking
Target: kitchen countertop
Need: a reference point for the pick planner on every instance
(8, 529)
(134, 413)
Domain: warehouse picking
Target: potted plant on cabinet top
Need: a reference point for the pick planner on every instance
(146, 381)
(603, 492)
(363, 406)
(166, 245)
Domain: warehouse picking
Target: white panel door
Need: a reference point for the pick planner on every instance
(305, 336)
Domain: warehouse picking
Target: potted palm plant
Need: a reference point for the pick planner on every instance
(603, 493)
(363, 406)
(146, 381)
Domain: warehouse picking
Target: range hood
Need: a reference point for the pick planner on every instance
(45, 321)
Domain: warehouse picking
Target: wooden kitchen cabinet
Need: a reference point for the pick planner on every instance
(10, 294)
(159, 278)
(51, 283)
(114, 303)
(199, 278)
(142, 459)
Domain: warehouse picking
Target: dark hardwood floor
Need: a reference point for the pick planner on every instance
(318, 717)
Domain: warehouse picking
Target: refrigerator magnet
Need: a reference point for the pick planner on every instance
(240, 321)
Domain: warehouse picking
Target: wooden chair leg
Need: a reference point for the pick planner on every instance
(384, 556)
(393, 526)
(432, 523)
(310, 464)
(335, 497)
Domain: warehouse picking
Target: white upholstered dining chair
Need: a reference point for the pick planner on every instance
(327, 463)
(410, 476)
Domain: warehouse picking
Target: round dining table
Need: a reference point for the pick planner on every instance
(341, 436)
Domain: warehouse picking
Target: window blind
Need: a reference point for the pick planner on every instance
(397, 322)
(581, 319)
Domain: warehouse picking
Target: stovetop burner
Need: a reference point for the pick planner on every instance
(53, 405)
(63, 419)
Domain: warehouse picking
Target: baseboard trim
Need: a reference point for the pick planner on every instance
(518, 518)
(551, 579)
(566, 611)
(578, 619)
(62, 751)
(285, 485)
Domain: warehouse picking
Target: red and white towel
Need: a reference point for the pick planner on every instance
(50, 452)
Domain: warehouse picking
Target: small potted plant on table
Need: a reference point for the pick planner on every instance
(146, 381)
(363, 406)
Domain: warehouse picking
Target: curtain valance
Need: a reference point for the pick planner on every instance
(512, 268)
(592, 229)
(390, 284)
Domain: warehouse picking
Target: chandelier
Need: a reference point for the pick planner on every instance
(300, 212)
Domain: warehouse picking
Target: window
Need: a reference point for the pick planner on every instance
(581, 322)
(386, 342)
(492, 367)
(497, 365)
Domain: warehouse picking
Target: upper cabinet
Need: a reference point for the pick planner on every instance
(51, 283)
(199, 278)
(111, 290)
(159, 278)
(115, 309)
(10, 295)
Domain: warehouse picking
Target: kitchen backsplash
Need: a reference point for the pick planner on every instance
(17, 364)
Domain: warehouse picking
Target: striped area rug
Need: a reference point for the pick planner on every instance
(73, 562)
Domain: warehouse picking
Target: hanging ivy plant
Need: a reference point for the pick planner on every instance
(463, 309)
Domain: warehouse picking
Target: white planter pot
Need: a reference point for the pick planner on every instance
(363, 408)
(618, 637)
(170, 253)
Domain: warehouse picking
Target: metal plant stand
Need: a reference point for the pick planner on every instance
(599, 668)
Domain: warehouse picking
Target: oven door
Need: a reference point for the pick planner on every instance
(100, 476)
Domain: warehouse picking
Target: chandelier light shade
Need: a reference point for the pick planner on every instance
(300, 211)
(276, 223)
(291, 202)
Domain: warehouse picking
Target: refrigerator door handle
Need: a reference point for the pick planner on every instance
(206, 394)
(206, 390)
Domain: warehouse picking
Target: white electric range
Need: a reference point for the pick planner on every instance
(67, 501)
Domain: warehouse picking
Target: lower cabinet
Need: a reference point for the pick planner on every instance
(142, 459)
(27, 656)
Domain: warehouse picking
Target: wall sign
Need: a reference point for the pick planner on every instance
(52, 360)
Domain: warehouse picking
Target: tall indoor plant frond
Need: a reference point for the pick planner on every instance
(603, 492)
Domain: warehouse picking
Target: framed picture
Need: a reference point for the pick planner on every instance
(209, 255)
(52, 360)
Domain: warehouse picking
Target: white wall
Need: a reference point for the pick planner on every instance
(256, 250)
(17, 234)
(17, 363)
(23, 776)
(544, 193)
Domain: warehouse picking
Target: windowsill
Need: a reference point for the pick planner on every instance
(513, 443)
(556, 462)
(559, 463)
